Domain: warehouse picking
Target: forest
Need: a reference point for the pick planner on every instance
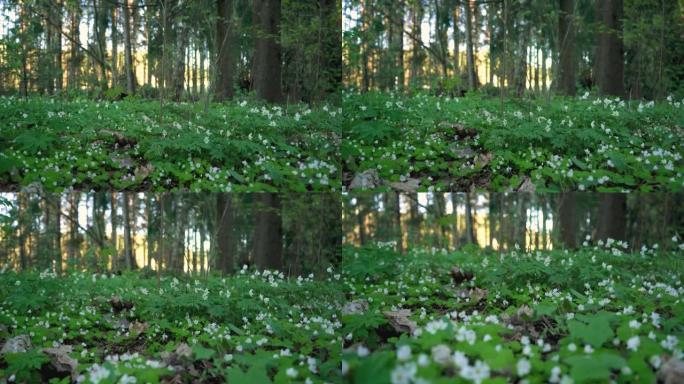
(170, 95)
(559, 95)
(341, 191)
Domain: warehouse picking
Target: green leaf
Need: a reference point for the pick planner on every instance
(595, 331)
(202, 353)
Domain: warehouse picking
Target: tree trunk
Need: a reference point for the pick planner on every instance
(268, 232)
(128, 54)
(397, 223)
(567, 57)
(58, 47)
(224, 50)
(416, 52)
(267, 60)
(567, 216)
(224, 232)
(128, 246)
(470, 237)
(472, 75)
(115, 46)
(612, 217)
(114, 224)
(179, 61)
(74, 56)
(610, 52)
(456, 34)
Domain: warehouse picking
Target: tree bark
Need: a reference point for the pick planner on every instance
(612, 217)
(224, 46)
(128, 246)
(115, 46)
(472, 75)
(610, 52)
(470, 237)
(268, 232)
(567, 57)
(567, 215)
(128, 54)
(224, 232)
(267, 52)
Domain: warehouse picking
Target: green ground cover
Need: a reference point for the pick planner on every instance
(239, 146)
(426, 142)
(251, 327)
(595, 315)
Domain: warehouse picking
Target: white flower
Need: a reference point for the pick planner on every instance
(655, 361)
(441, 354)
(345, 367)
(588, 349)
(125, 379)
(572, 347)
(403, 374)
(523, 367)
(291, 372)
(423, 360)
(404, 353)
(476, 373)
(555, 374)
(633, 343)
(98, 373)
(460, 359)
(362, 351)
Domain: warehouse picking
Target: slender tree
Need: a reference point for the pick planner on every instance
(267, 56)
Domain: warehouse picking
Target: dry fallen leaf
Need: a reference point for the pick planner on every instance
(409, 186)
(365, 180)
(183, 350)
(399, 320)
(136, 327)
(672, 372)
(356, 307)
(61, 361)
(527, 185)
(460, 276)
(17, 344)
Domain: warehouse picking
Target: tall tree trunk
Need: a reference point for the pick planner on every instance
(115, 45)
(128, 246)
(612, 217)
(567, 215)
(224, 232)
(456, 35)
(472, 75)
(397, 223)
(268, 232)
(74, 56)
(610, 52)
(115, 236)
(58, 47)
(224, 50)
(179, 61)
(454, 223)
(128, 52)
(470, 237)
(543, 69)
(416, 51)
(567, 57)
(267, 60)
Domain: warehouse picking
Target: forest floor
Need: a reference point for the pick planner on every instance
(54, 145)
(594, 315)
(248, 328)
(424, 142)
